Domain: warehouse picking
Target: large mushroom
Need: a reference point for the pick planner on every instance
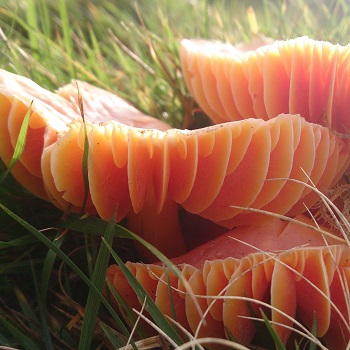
(148, 171)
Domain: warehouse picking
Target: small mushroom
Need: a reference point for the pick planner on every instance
(50, 114)
(301, 273)
(298, 76)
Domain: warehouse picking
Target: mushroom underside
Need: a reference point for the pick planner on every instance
(151, 172)
(299, 75)
(284, 269)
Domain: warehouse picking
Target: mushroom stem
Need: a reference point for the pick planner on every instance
(161, 229)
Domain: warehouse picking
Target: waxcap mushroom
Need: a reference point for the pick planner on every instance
(301, 75)
(147, 172)
(293, 268)
(231, 161)
(51, 115)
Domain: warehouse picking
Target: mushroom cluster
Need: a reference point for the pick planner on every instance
(279, 113)
(289, 271)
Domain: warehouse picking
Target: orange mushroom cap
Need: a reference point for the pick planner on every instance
(298, 76)
(284, 265)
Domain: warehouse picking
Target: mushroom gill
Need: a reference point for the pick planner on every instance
(297, 272)
(300, 75)
(145, 169)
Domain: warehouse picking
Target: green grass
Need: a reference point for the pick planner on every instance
(52, 267)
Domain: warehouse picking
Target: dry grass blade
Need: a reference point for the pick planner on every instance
(168, 339)
(154, 342)
(193, 344)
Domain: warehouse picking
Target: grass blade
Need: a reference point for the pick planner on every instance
(47, 267)
(19, 144)
(278, 343)
(98, 278)
(264, 337)
(67, 34)
(151, 307)
(85, 153)
(45, 332)
(32, 20)
(314, 333)
(27, 310)
(127, 311)
(92, 226)
(112, 336)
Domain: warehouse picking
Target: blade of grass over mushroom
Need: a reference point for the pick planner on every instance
(339, 218)
(200, 342)
(277, 341)
(98, 279)
(151, 307)
(265, 340)
(92, 226)
(19, 144)
(314, 333)
(300, 330)
(46, 241)
(131, 318)
(284, 217)
(309, 334)
(167, 262)
(85, 152)
(337, 215)
(160, 331)
(171, 298)
(230, 336)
